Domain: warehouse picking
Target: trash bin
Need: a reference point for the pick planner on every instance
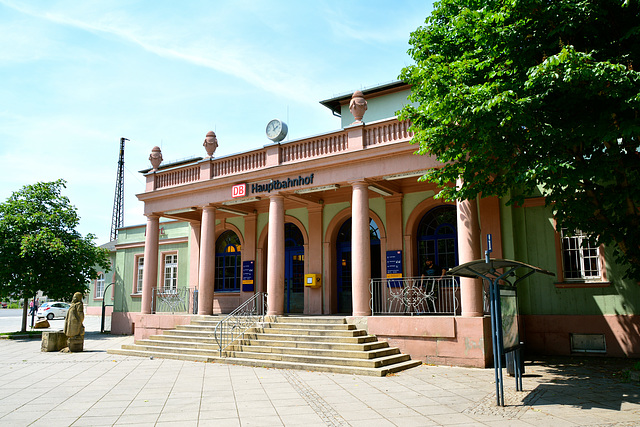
(510, 362)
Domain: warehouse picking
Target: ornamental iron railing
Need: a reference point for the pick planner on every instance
(415, 296)
(172, 300)
(236, 323)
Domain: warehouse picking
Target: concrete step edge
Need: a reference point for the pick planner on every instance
(324, 360)
(163, 355)
(346, 354)
(326, 345)
(337, 369)
(176, 350)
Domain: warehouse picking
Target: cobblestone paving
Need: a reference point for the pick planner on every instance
(315, 401)
(516, 404)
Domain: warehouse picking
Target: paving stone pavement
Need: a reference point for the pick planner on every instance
(98, 389)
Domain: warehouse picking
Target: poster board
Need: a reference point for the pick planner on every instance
(509, 311)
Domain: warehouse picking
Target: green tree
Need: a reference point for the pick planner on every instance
(40, 249)
(522, 97)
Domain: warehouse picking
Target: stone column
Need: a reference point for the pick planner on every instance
(360, 250)
(469, 250)
(275, 256)
(206, 273)
(150, 269)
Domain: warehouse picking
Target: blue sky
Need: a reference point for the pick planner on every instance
(75, 76)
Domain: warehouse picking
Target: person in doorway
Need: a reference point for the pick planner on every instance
(431, 275)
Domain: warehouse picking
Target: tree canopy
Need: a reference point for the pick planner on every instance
(40, 249)
(523, 97)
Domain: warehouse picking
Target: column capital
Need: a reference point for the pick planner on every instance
(358, 183)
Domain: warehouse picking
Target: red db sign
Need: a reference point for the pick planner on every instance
(239, 190)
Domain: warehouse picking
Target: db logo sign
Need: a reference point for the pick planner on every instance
(239, 190)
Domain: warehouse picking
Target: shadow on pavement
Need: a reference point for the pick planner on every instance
(583, 382)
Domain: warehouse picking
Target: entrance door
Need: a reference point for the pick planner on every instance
(343, 252)
(293, 269)
(294, 280)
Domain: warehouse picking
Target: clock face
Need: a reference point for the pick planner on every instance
(276, 130)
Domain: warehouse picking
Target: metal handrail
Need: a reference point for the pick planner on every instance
(236, 323)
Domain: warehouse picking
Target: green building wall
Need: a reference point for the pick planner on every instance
(529, 236)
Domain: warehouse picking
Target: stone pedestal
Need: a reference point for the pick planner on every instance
(76, 344)
(53, 341)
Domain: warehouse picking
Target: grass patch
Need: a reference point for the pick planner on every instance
(30, 334)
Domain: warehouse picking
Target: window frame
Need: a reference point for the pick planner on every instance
(137, 275)
(223, 264)
(600, 281)
(174, 267)
(101, 278)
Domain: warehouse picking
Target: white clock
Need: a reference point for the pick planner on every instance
(276, 130)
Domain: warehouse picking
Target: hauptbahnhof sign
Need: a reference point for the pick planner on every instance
(240, 190)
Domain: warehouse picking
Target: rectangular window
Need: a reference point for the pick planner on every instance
(171, 273)
(139, 270)
(100, 286)
(580, 258)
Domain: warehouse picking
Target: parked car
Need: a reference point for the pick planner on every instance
(4, 304)
(54, 309)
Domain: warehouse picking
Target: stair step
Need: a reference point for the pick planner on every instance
(282, 337)
(308, 319)
(326, 345)
(164, 355)
(337, 369)
(314, 352)
(178, 344)
(313, 332)
(324, 360)
(173, 349)
(314, 326)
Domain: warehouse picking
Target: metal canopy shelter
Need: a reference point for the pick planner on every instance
(495, 271)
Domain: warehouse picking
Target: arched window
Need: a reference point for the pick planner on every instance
(292, 236)
(344, 235)
(437, 238)
(228, 263)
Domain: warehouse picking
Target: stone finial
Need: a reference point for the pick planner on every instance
(357, 106)
(155, 157)
(210, 143)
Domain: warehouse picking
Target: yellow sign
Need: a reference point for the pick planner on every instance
(394, 276)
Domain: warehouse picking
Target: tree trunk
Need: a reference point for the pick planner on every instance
(25, 307)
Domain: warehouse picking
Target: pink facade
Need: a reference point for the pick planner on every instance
(367, 171)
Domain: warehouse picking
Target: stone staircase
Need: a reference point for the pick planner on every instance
(326, 344)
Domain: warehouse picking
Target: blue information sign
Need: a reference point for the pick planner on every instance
(247, 276)
(394, 268)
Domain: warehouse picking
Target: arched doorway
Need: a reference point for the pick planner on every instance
(437, 238)
(228, 263)
(343, 252)
(293, 269)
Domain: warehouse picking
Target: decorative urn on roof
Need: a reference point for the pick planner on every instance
(155, 157)
(357, 106)
(210, 143)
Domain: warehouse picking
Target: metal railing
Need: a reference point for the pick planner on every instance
(172, 300)
(235, 324)
(415, 296)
